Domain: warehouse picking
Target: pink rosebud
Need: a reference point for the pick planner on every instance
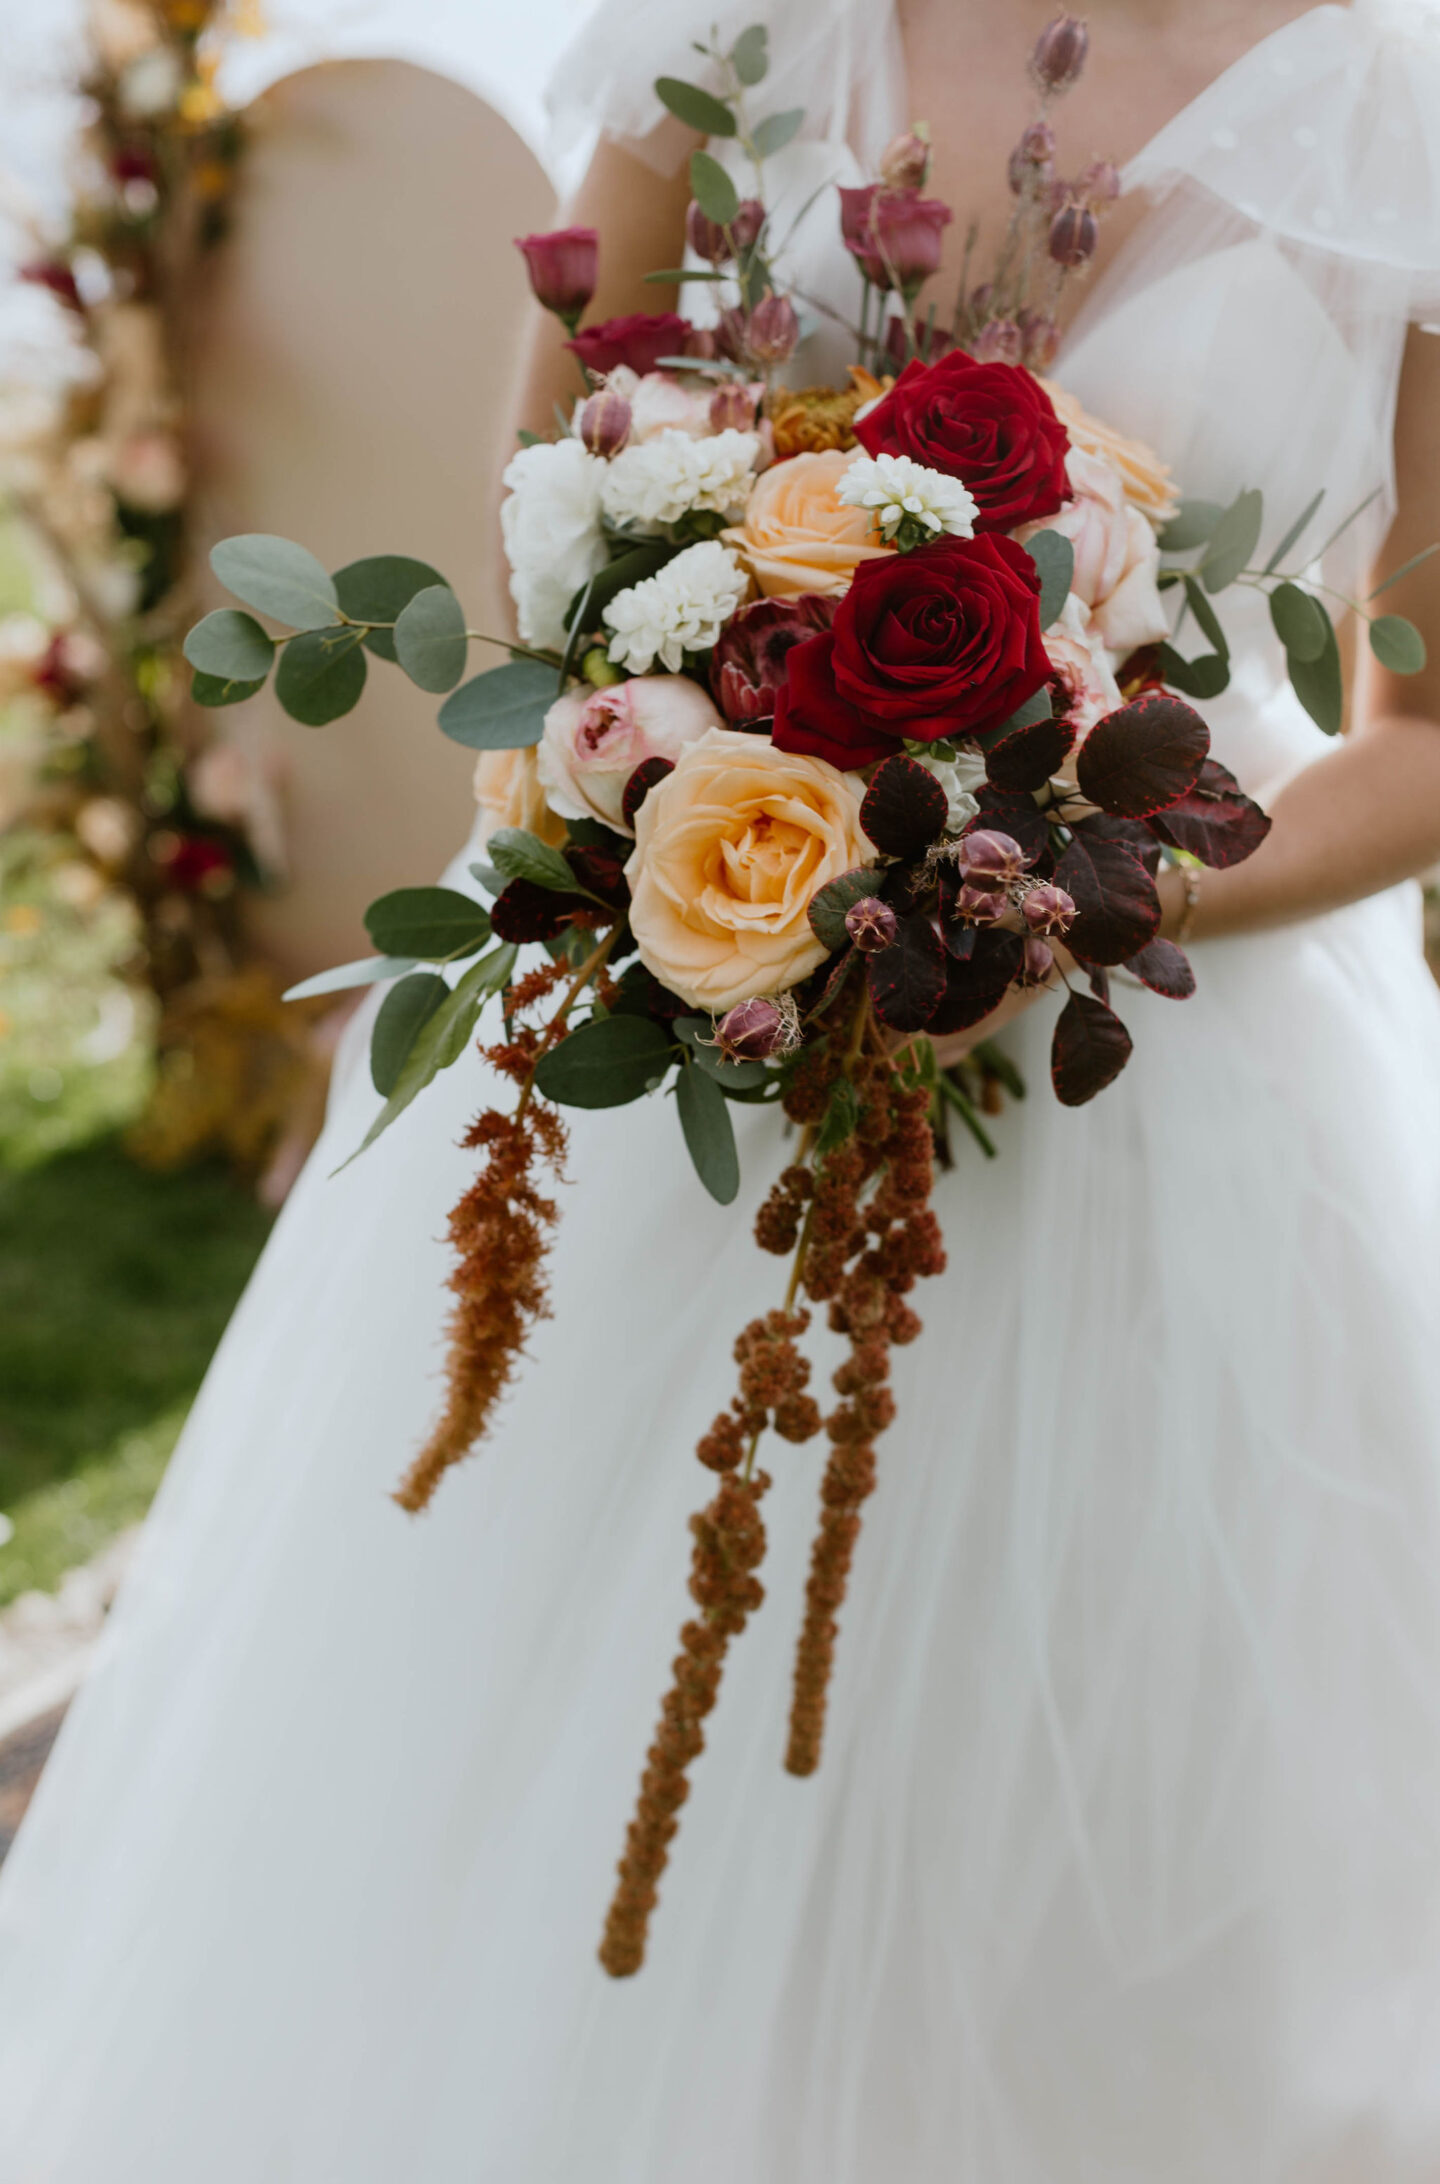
(905, 161)
(605, 423)
(981, 905)
(893, 234)
(1074, 233)
(1099, 185)
(1060, 53)
(988, 858)
(732, 408)
(753, 1030)
(593, 740)
(1039, 339)
(871, 924)
(1001, 342)
(1032, 155)
(1048, 909)
(563, 268)
(773, 329)
(1038, 964)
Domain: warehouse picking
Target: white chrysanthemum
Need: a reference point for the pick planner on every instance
(682, 608)
(900, 491)
(554, 542)
(959, 777)
(666, 478)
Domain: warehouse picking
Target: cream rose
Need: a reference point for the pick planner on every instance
(592, 742)
(509, 793)
(797, 535)
(729, 849)
(1148, 483)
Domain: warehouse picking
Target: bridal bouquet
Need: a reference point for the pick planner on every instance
(836, 715)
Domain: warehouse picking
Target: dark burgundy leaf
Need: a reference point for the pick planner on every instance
(1217, 822)
(959, 938)
(522, 911)
(1090, 1048)
(601, 871)
(1028, 756)
(1144, 757)
(1099, 981)
(823, 987)
(905, 808)
(641, 994)
(974, 987)
(1164, 968)
(908, 978)
(1119, 908)
(1018, 816)
(641, 782)
(1134, 834)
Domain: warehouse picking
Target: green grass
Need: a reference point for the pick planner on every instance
(115, 1286)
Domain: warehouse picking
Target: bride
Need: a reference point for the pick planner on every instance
(1123, 1866)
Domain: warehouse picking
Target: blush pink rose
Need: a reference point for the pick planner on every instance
(1117, 555)
(593, 741)
(1088, 689)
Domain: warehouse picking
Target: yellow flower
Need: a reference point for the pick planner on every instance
(1148, 483)
(508, 791)
(729, 849)
(797, 536)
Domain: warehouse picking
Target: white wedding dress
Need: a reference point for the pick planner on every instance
(1123, 1863)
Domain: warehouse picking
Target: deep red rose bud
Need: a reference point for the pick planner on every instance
(1060, 52)
(1099, 185)
(605, 423)
(871, 924)
(905, 161)
(981, 905)
(563, 268)
(1001, 342)
(1048, 909)
(732, 408)
(1032, 155)
(749, 664)
(1040, 340)
(988, 858)
(773, 329)
(753, 1030)
(1039, 963)
(1074, 232)
(639, 340)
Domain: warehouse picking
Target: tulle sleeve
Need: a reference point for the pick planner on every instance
(842, 62)
(1327, 134)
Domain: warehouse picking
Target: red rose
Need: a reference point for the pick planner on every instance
(639, 341)
(990, 425)
(942, 642)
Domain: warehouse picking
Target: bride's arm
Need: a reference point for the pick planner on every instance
(1366, 814)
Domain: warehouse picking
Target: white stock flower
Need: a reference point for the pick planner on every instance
(551, 527)
(663, 479)
(896, 489)
(682, 608)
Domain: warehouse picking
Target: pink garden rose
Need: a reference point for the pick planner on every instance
(592, 742)
(1088, 687)
(1117, 556)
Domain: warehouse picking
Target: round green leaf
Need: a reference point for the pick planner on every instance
(1301, 623)
(605, 1063)
(1054, 558)
(430, 641)
(517, 854)
(369, 971)
(431, 924)
(709, 1133)
(1191, 527)
(278, 577)
(1320, 685)
(1397, 644)
(406, 1007)
(502, 709)
(712, 189)
(211, 690)
(776, 130)
(231, 647)
(688, 103)
(1233, 541)
(750, 55)
(321, 675)
(379, 589)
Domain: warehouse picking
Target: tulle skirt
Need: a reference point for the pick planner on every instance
(1123, 1862)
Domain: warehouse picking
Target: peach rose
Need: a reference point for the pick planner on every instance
(509, 793)
(593, 740)
(1148, 483)
(1117, 556)
(1079, 658)
(796, 536)
(728, 851)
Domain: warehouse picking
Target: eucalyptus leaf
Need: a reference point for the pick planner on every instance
(1233, 541)
(433, 924)
(1206, 616)
(211, 690)
(1404, 569)
(443, 1038)
(709, 1133)
(369, 971)
(521, 856)
(430, 640)
(406, 1009)
(605, 1063)
(750, 54)
(278, 577)
(231, 647)
(1301, 523)
(776, 130)
(1301, 623)
(1037, 707)
(502, 709)
(379, 589)
(1054, 558)
(696, 108)
(1397, 644)
(712, 189)
(1191, 527)
(321, 675)
(1319, 684)
(1203, 677)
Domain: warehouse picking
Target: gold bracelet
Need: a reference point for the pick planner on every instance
(1191, 911)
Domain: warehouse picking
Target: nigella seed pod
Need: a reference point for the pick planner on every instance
(705, 236)
(747, 223)
(1060, 52)
(1039, 963)
(1032, 155)
(1048, 909)
(988, 858)
(981, 905)
(752, 1031)
(773, 329)
(1001, 342)
(605, 423)
(732, 408)
(871, 924)
(1099, 185)
(1074, 233)
(1040, 340)
(905, 161)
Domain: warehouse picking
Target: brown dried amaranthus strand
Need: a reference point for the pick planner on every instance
(729, 1547)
